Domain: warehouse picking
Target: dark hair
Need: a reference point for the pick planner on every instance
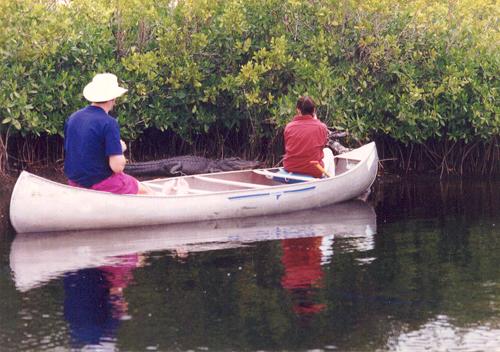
(306, 105)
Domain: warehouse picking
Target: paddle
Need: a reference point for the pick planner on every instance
(320, 168)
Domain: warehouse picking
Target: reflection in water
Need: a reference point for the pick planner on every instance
(97, 266)
(38, 258)
(442, 335)
(94, 302)
(303, 273)
(87, 307)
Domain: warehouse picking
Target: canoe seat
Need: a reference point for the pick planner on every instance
(283, 176)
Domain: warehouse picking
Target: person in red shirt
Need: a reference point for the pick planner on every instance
(305, 141)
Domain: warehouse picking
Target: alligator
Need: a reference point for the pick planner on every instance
(188, 165)
(333, 143)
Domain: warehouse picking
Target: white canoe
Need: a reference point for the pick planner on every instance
(37, 259)
(40, 205)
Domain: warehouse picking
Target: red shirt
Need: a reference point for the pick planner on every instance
(305, 138)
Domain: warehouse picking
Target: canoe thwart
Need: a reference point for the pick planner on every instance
(229, 182)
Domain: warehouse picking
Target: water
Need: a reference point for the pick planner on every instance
(414, 269)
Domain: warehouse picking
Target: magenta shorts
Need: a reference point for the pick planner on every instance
(119, 183)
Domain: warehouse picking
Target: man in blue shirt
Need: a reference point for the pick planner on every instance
(93, 149)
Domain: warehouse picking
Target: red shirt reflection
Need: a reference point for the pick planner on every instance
(303, 273)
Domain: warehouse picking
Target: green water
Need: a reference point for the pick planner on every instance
(414, 269)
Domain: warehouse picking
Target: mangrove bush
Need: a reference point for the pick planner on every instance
(221, 77)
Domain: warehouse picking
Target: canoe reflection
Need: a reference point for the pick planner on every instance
(36, 258)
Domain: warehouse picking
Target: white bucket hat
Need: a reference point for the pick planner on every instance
(104, 87)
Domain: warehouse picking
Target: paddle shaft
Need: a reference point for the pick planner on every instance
(320, 168)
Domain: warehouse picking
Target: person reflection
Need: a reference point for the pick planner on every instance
(303, 273)
(94, 302)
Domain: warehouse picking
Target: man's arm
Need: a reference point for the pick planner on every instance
(117, 163)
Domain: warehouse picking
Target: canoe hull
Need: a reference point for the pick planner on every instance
(39, 205)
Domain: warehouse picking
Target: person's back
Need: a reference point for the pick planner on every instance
(91, 136)
(305, 139)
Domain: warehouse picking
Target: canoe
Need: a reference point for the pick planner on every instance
(41, 205)
(36, 259)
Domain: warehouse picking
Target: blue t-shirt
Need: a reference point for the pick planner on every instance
(90, 137)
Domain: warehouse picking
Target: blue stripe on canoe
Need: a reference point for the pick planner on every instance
(301, 190)
(268, 194)
(250, 196)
